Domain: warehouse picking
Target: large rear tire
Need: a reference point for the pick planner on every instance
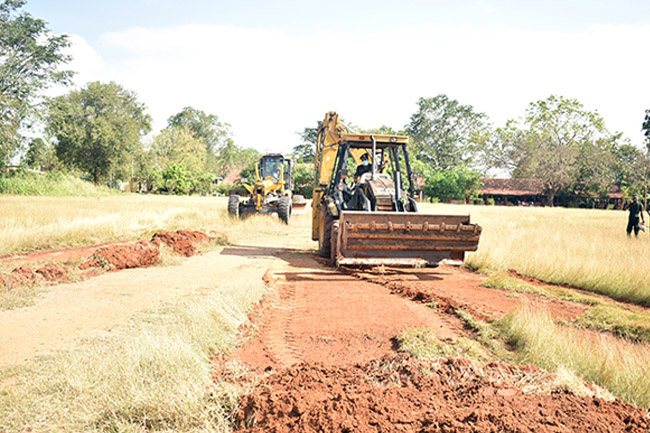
(325, 234)
(284, 209)
(233, 205)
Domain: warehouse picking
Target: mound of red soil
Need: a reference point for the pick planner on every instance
(401, 395)
(52, 272)
(125, 256)
(182, 241)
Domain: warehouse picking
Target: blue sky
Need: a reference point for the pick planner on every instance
(270, 68)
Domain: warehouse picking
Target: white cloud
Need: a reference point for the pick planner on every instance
(269, 85)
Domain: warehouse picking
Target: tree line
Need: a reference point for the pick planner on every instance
(557, 142)
(98, 131)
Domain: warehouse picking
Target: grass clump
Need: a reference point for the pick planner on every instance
(502, 280)
(20, 297)
(620, 367)
(629, 324)
(153, 375)
(423, 344)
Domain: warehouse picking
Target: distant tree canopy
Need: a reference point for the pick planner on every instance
(305, 152)
(207, 128)
(646, 129)
(560, 144)
(97, 127)
(30, 59)
(445, 132)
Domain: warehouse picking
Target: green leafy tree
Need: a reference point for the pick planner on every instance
(30, 58)
(303, 179)
(446, 133)
(177, 179)
(646, 129)
(560, 144)
(209, 129)
(97, 127)
(40, 156)
(305, 152)
(460, 183)
(179, 145)
(631, 169)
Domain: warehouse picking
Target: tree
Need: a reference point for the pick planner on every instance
(30, 58)
(209, 129)
(41, 156)
(631, 169)
(444, 132)
(457, 184)
(305, 152)
(96, 127)
(646, 129)
(559, 142)
(179, 145)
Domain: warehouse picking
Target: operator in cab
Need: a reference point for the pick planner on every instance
(365, 167)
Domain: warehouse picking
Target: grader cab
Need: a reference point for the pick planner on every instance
(370, 217)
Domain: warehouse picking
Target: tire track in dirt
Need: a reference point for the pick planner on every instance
(277, 335)
(318, 314)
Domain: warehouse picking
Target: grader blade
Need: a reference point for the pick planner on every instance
(391, 238)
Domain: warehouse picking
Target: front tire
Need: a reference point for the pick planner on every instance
(233, 205)
(284, 209)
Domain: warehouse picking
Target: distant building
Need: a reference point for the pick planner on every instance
(231, 177)
(512, 191)
(529, 192)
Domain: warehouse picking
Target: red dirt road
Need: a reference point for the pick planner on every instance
(328, 339)
(322, 315)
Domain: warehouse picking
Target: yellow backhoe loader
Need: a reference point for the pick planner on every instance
(371, 217)
(271, 192)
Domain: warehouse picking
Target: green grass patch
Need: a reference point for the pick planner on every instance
(629, 324)
(502, 280)
(51, 184)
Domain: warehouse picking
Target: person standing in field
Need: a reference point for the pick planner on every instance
(636, 211)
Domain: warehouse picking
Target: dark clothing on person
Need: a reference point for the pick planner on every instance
(362, 169)
(635, 210)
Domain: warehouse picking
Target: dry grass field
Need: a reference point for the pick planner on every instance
(583, 248)
(154, 374)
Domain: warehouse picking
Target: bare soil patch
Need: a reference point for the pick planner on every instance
(321, 315)
(455, 288)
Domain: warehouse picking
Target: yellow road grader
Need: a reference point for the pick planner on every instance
(271, 192)
(371, 217)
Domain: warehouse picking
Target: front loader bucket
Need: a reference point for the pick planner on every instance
(299, 204)
(397, 238)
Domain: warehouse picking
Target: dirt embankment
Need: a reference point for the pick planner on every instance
(37, 268)
(398, 394)
(327, 343)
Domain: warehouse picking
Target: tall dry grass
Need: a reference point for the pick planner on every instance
(31, 223)
(154, 375)
(581, 247)
(616, 365)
